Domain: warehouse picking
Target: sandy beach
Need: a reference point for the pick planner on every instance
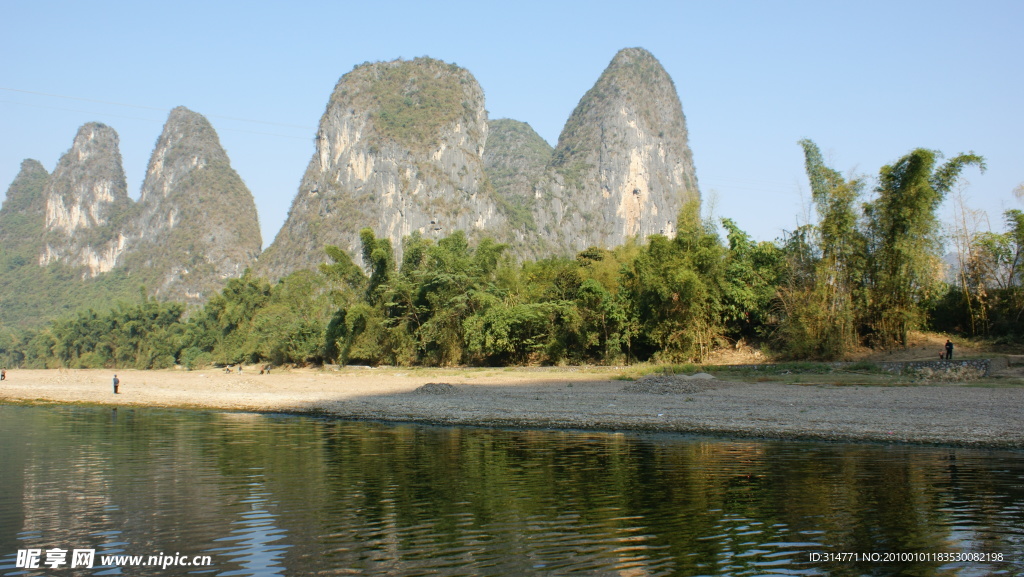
(584, 398)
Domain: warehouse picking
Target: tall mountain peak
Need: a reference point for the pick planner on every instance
(86, 198)
(196, 222)
(187, 142)
(622, 166)
(399, 150)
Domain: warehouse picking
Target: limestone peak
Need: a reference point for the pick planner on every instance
(399, 150)
(86, 199)
(196, 222)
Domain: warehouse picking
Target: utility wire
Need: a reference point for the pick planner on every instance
(106, 114)
(149, 107)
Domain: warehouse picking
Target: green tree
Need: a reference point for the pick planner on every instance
(379, 258)
(145, 335)
(903, 240)
(823, 290)
(526, 333)
(290, 327)
(753, 273)
(603, 322)
(673, 289)
(348, 284)
(455, 286)
(223, 331)
(13, 344)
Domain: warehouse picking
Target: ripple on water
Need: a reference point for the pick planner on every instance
(281, 495)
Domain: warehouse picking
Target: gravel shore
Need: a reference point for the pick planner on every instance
(565, 399)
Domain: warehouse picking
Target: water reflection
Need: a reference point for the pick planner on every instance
(267, 495)
(255, 534)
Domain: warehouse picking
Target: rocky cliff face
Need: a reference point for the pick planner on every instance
(399, 150)
(405, 148)
(74, 238)
(195, 223)
(86, 200)
(623, 165)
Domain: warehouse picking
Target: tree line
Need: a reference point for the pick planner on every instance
(867, 271)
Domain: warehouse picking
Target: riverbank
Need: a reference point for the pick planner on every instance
(584, 398)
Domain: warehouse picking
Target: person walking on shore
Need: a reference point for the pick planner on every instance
(116, 383)
(3, 374)
(949, 350)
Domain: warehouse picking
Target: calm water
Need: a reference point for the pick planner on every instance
(268, 495)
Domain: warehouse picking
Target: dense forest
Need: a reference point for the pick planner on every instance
(866, 272)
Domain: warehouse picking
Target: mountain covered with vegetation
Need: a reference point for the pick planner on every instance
(195, 224)
(405, 148)
(75, 239)
(23, 217)
(399, 150)
(515, 160)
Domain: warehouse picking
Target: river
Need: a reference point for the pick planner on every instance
(149, 490)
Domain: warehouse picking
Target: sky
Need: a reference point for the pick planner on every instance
(868, 81)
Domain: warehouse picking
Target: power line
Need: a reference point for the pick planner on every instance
(143, 107)
(107, 114)
(76, 110)
(82, 99)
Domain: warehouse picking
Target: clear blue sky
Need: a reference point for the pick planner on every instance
(868, 81)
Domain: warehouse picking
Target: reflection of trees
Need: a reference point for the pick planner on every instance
(311, 495)
(863, 499)
(121, 482)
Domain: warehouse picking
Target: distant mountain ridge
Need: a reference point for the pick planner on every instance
(66, 234)
(403, 148)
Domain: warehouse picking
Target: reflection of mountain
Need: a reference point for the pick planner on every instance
(125, 485)
(297, 496)
(258, 540)
(14, 453)
(68, 498)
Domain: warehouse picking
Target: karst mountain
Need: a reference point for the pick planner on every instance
(404, 148)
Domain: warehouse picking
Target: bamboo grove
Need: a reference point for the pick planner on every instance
(866, 272)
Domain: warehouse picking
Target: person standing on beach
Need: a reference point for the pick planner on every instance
(3, 374)
(949, 350)
(116, 383)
